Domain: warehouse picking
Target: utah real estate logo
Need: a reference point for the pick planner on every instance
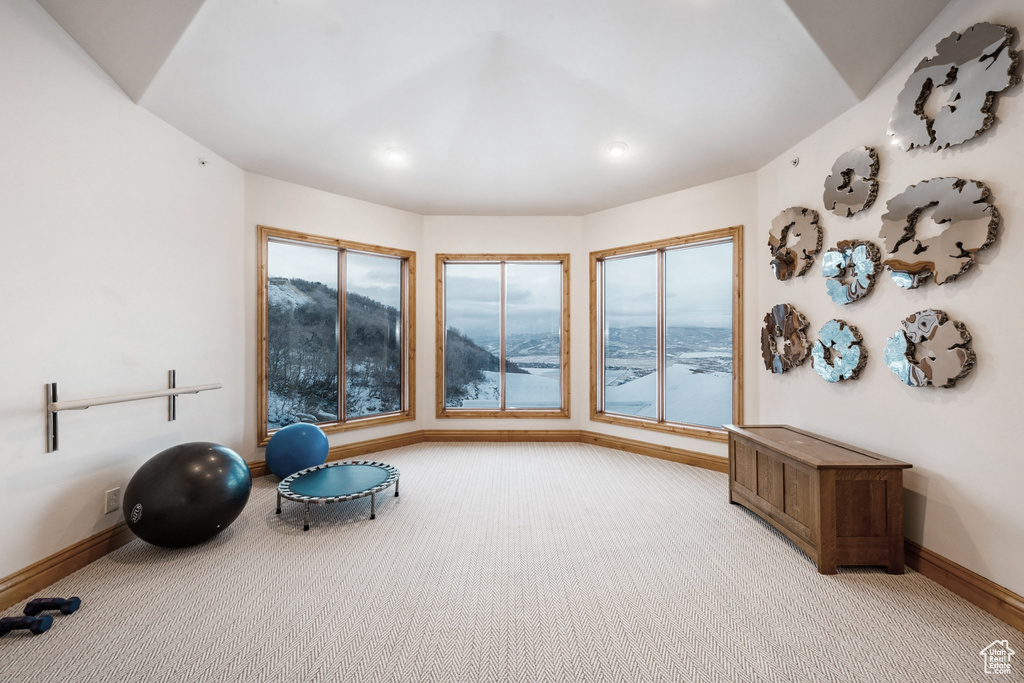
(997, 657)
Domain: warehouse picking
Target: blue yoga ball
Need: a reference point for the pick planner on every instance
(295, 448)
(186, 494)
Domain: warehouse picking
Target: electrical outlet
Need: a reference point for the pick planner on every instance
(112, 500)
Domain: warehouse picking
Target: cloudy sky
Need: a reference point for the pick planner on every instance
(378, 277)
(698, 288)
(532, 300)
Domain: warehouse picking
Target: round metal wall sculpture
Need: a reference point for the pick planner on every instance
(970, 222)
(857, 260)
(783, 340)
(969, 69)
(794, 239)
(853, 184)
(930, 350)
(838, 354)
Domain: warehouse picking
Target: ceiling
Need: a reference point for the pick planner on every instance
(502, 107)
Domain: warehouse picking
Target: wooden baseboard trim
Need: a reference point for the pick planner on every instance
(497, 435)
(258, 468)
(38, 576)
(1000, 602)
(680, 455)
(354, 450)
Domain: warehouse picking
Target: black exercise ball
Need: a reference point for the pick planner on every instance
(186, 494)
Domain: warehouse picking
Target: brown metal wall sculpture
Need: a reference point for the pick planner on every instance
(930, 351)
(783, 340)
(853, 184)
(795, 237)
(970, 223)
(967, 71)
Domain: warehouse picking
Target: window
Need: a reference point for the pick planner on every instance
(335, 330)
(503, 335)
(666, 334)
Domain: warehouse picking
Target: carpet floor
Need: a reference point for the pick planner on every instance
(504, 562)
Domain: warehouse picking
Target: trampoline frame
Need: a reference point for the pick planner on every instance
(284, 489)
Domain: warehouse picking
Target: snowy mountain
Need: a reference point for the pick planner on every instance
(628, 342)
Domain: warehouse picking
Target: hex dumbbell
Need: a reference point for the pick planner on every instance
(65, 605)
(36, 625)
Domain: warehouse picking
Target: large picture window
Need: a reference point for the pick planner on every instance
(666, 341)
(336, 341)
(503, 335)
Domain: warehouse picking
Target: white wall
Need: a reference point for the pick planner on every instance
(277, 204)
(120, 261)
(963, 493)
(717, 205)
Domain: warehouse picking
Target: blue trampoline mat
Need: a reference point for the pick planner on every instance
(340, 480)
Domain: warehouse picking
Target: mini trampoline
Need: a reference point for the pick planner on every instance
(336, 482)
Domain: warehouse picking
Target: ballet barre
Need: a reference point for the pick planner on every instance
(54, 406)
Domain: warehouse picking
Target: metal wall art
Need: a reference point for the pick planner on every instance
(970, 223)
(783, 340)
(930, 350)
(853, 184)
(856, 260)
(838, 354)
(968, 71)
(794, 239)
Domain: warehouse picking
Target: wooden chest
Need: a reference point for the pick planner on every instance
(840, 504)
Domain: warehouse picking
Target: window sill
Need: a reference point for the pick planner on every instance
(705, 433)
(355, 423)
(504, 414)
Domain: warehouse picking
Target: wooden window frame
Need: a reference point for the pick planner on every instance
(441, 410)
(733, 234)
(408, 411)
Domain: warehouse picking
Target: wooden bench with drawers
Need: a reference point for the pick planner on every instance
(842, 505)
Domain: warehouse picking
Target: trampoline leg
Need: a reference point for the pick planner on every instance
(396, 487)
(373, 506)
(305, 519)
(278, 502)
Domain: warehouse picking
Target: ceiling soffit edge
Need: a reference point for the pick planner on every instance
(128, 39)
(864, 39)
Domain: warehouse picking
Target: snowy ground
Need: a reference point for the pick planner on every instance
(540, 388)
(692, 396)
(283, 410)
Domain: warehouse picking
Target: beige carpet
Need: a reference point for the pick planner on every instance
(504, 562)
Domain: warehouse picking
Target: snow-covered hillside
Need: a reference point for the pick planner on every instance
(284, 293)
(534, 390)
(692, 396)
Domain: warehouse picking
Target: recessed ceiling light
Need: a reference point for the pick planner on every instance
(395, 154)
(617, 149)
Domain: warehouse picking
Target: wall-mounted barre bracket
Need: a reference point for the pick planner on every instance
(53, 406)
